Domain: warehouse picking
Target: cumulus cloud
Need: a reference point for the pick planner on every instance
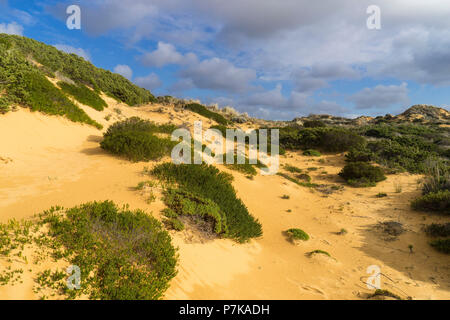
(150, 82)
(124, 70)
(11, 28)
(381, 96)
(69, 49)
(165, 54)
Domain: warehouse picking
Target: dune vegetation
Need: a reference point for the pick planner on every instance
(121, 254)
(207, 182)
(135, 139)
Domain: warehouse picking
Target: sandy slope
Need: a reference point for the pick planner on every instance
(47, 161)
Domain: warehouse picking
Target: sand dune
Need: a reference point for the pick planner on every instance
(46, 161)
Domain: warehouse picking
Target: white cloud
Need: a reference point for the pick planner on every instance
(149, 82)
(381, 96)
(11, 28)
(124, 70)
(166, 54)
(69, 49)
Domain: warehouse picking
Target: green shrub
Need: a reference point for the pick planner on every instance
(442, 245)
(361, 174)
(297, 234)
(203, 111)
(135, 140)
(327, 139)
(175, 224)
(318, 251)
(208, 182)
(438, 230)
(434, 201)
(312, 153)
(381, 195)
(185, 203)
(122, 254)
(83, 95)
(292, 169)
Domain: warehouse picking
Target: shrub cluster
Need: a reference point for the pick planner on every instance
(135, 140)
(328, 139)
(434, 201)
(208, 182)
(402, 147)
(362, 174)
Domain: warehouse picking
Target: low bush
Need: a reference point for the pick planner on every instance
(122, 254)
(135, 140)
(328, 139)
(83, 95)
(361, 174)
(292, 169)
(442, 245)
(207, 182)
(438, 230)
(297, 234)
(312, 153)
(433, 201)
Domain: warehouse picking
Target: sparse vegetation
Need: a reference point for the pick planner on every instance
(385, 293)
(312, 153)
(292, 169)
(297, 234)
(318, 251)
(382, 195)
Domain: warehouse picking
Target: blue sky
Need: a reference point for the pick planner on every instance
(273, 59)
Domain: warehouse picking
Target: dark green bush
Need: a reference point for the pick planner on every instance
(208, 182)
(442, 245)
(438, 230)
(327, 139)
(434, 201)
(314, 124)
(361, 174)
(83, 95)
(203, 111)
(122, 254)
(135, 140)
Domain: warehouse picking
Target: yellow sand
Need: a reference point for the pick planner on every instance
(47, 160)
